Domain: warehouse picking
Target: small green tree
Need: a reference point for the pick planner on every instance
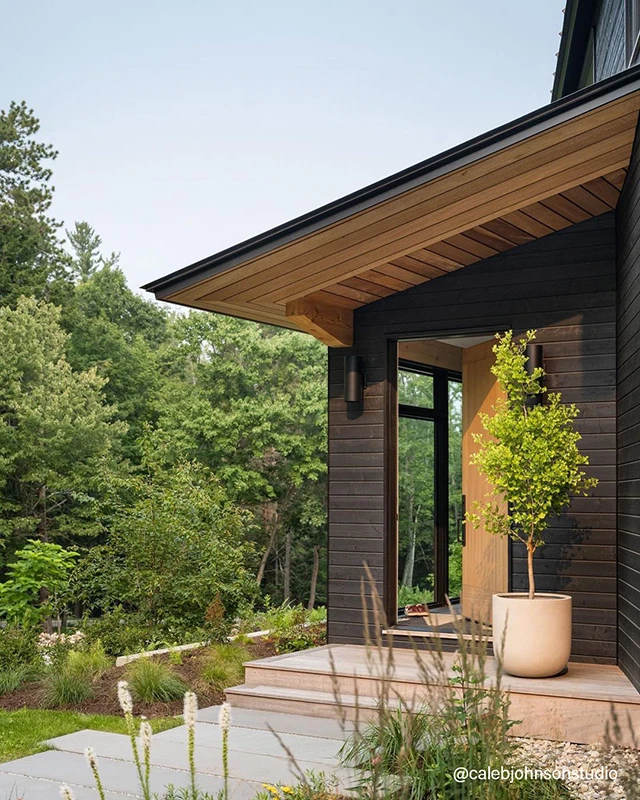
(37, 579)
(530, 455)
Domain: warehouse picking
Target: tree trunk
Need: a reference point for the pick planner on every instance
(287, 566)
(532, 584)
(410, 561)
(270, 517)
(314, 577)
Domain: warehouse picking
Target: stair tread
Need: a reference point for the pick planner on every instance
(302, 695)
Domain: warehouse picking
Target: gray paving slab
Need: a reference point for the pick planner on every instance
(268, 767)
(117, 776)
(14, 787)
(252, 740)
(283, 723)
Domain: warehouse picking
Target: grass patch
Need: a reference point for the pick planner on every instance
(222, 666)
(151, 681)
(11, 678)
(66, 688)
(22, 732)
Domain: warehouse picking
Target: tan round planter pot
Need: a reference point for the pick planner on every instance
(537, 639)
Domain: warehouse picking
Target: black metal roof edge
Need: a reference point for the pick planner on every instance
(578, 21)
(371, 194)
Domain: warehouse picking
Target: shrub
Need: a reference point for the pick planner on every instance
(91, 662)
(152, 681)
(299, 637)
(18, 646)
(223, 665)
(121, 633)
(171, 551)
(65, 687)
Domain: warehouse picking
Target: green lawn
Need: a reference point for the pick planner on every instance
(22, 732)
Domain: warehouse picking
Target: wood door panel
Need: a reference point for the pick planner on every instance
(484, 556)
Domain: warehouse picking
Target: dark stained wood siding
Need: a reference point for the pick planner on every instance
(609, 25)
(628, 335)
(563, 285)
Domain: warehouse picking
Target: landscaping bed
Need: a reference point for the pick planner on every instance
(193, 669)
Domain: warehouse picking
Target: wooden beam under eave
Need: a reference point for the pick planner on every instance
(331, 325)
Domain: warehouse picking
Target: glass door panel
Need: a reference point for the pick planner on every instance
(456, 511)
(416, 496)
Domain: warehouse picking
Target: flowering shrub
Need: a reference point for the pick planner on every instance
(55, 647)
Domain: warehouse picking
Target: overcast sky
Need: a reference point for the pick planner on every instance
(184, 127)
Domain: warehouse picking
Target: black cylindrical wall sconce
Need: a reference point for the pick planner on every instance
(534, 353)
(353, 379)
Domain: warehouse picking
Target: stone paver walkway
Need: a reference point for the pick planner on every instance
(257, 755)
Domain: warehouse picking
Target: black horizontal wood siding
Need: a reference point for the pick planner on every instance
(610, 47)
(563, 285)
(628, 336)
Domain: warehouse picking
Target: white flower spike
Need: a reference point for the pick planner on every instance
(190, 709)
(124, 697)
(224, 717)
(66, 793)
(146, 732)
(92, 759)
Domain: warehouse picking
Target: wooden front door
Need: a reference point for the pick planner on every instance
(484, 556)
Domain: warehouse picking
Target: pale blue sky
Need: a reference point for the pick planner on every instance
(185, 127)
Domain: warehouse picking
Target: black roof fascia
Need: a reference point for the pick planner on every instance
(578, 21)
(591, 97)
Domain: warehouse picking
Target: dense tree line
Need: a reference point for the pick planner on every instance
(151, 439)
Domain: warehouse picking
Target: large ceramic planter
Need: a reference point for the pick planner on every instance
(533, 637)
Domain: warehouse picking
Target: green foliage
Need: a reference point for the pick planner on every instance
(22, 732)
(64, 688)
(56, 434)
(222, 665)
(70, 681)
(153, 681)
(39, 566)
(11, 678)
(529, 453)
(172, 550)
(121, 633)
(32, 261)
(18, 646)
(292, 627)
(91, 661)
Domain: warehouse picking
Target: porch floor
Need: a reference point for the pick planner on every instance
(572, 707)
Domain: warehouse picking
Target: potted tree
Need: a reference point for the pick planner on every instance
(530, 457)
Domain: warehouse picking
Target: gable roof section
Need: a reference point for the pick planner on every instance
(549, 169)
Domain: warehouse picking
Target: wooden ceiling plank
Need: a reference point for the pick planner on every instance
(329, 298)
(378, 276)
(545, 215)
(333, 326)
(344, 232)
(477, 216)
(358, 282)
(617, 178)
(451, 218)
(354, 294)
(528, 224)
(589, 202)
(503, 228)
(485, 236)
(471, 245)
(420, 267)
(602, 189)
(407, 275)
(564, 206)
(454, 253)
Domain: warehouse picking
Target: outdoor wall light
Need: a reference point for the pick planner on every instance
(354, 381)
(534, 353)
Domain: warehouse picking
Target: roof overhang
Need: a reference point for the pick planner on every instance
(542, 172)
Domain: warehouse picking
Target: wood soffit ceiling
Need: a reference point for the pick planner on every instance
(553, 179)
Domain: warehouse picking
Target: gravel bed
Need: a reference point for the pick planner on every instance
(588, 758)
